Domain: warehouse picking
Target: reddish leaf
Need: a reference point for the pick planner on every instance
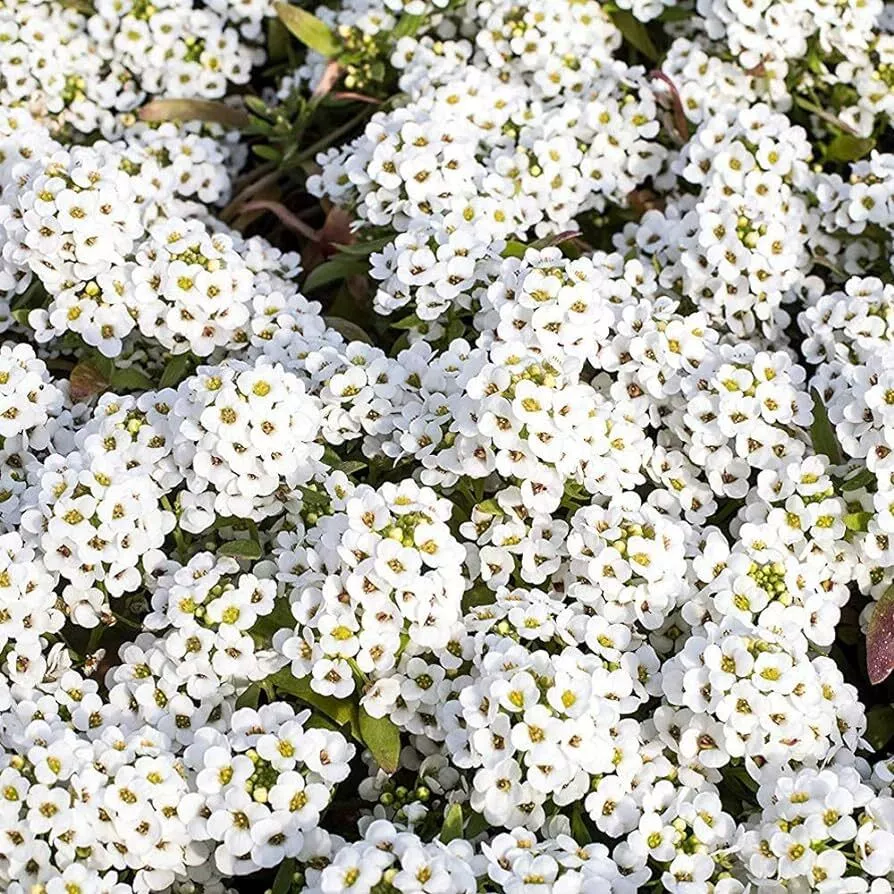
(880, 639)
(331, 75)
(643, 200)
(86, 381)
(357, 97)
(336, 231)
(681, 125)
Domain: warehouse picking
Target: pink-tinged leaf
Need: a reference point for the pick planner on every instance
(86, 381)
(331, 75)
(194, 110)
(336, 231)
(357, 97)
(681, 124)
(880, 639)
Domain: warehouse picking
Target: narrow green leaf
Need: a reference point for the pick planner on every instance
(241, 549)
(382, 738)
(846, 147)
(175, 371)
(863, 478)
(194, 110)
(313, 498)
(338, 268)
(822, 434)
(411, 321)
(268, 153)
(822, 114)
(453, 824)
(256, 106)
(635, 33)
(282, 884)
(308, 29)
(579, 831)
(480, 594)
(362, 249)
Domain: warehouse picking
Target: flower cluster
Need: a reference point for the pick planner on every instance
(379, 573)
(537, 552)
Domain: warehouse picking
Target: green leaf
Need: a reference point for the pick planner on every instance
(453, 824)
(342, 711)
(476, 825)
(822, 434)
(676, 14)
(249, 698)
(863, 478)
(407, 26)
(308, 29)
(362, 249)
(880, 639)
(268, 153)
(823, 115)
(314, 498)
(514, 249)
(338, 268)
(256, 106)
(489, 507)
(351, 331)
(635, 33)
(194, 110)
(847, 147)
(277, 41)
(480, 594)
(175, 371)
(579, 831)
(880, 726)
(409, 322)
(281, 617)
(241, 549)
(858, 521)
(282, 884)
(131, 379)
(382, 738)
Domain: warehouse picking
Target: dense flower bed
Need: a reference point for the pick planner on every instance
(446, 447)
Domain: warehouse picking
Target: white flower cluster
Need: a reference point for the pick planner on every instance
(244, 438)
(89, 67)
(817, 826)
(554, 580)
(380, 575)
(507, 137)
(87, 805)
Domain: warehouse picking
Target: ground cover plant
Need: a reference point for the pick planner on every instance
(446, 447)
